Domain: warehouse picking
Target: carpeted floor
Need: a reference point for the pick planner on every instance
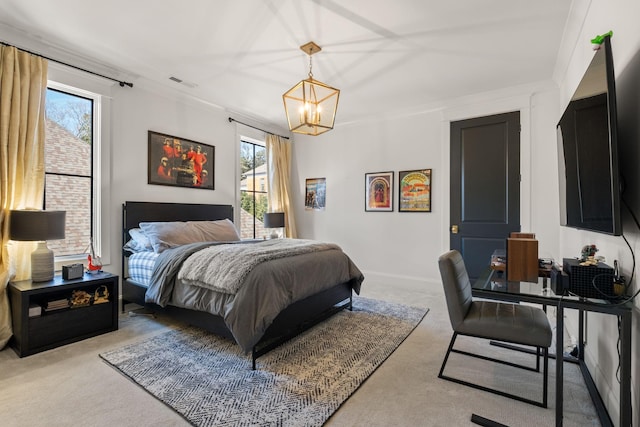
(208, 381)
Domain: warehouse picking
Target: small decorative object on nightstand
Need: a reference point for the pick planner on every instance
(80, 299)
(72, 271)
(101, 296)
(95, 263)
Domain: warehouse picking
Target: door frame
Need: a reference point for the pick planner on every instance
(506, 105)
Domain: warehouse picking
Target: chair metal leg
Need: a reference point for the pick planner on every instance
(446, 357)
(545, 377)
(545, 373)
(485, 422)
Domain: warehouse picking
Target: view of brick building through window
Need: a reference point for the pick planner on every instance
(67, 154)
(247, 227)
(68, 169)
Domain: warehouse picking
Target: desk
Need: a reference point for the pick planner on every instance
(492, 285)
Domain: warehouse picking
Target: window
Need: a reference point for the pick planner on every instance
(253, 188)
(69, 160)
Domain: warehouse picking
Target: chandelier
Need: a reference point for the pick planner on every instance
(311, 105)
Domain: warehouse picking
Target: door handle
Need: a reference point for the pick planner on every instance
(454, 229)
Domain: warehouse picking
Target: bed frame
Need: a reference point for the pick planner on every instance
(293, 320)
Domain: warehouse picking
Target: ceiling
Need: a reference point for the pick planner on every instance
(386, 57)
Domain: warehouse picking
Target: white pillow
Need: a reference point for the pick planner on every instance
(140, 238)
(138, 242)
(164, 235)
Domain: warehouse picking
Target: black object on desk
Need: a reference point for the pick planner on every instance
(590, 281)
(493, 285)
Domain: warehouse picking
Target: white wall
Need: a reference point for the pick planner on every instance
(403, 246)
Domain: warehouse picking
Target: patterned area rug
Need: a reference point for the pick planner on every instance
(209, 381)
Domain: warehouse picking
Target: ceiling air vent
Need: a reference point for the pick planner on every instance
(187, 84)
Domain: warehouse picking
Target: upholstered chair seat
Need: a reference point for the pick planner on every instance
(514, 323)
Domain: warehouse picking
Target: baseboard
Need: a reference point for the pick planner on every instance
(400, 288)
(400, 281)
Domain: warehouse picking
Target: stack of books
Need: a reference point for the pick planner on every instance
(57, 304)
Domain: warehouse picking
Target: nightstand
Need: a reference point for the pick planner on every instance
(42, 320)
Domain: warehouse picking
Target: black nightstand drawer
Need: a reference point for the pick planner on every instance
(69, 325)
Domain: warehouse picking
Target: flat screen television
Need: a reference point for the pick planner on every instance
(590, 184)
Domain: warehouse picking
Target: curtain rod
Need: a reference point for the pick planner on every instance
(231, 119)
(122, 83)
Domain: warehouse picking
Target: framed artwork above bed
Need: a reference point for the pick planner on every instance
(180, 162)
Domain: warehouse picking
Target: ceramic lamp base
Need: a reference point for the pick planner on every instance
(42, 263)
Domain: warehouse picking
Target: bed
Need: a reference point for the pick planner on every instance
(270, 302)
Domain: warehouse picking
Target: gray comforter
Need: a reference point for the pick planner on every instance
(267, 289)
(223, 268)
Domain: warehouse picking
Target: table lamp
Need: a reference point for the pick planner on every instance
(38, 226)
(274, 220)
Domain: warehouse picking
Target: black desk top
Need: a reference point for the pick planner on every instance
(493, 284)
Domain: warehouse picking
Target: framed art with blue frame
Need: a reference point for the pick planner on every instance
(315, 194)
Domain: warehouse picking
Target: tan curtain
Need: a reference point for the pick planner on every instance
(279, 171)
(23, 84)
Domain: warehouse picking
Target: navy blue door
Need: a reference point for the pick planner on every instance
(485, 186)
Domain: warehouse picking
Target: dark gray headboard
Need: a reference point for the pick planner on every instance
(133, 213)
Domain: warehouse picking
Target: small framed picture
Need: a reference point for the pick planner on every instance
(180, 162)
(315, 194)
(378, 187)
(414, 190)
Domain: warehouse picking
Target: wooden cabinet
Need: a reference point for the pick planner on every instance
(38, 327)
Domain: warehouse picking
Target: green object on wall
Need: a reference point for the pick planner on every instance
(599, 39)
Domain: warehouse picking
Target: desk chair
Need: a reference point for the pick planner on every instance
(511, 323)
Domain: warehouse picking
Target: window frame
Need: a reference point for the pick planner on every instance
(88, 86)
(256, 143)
(92, 191)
